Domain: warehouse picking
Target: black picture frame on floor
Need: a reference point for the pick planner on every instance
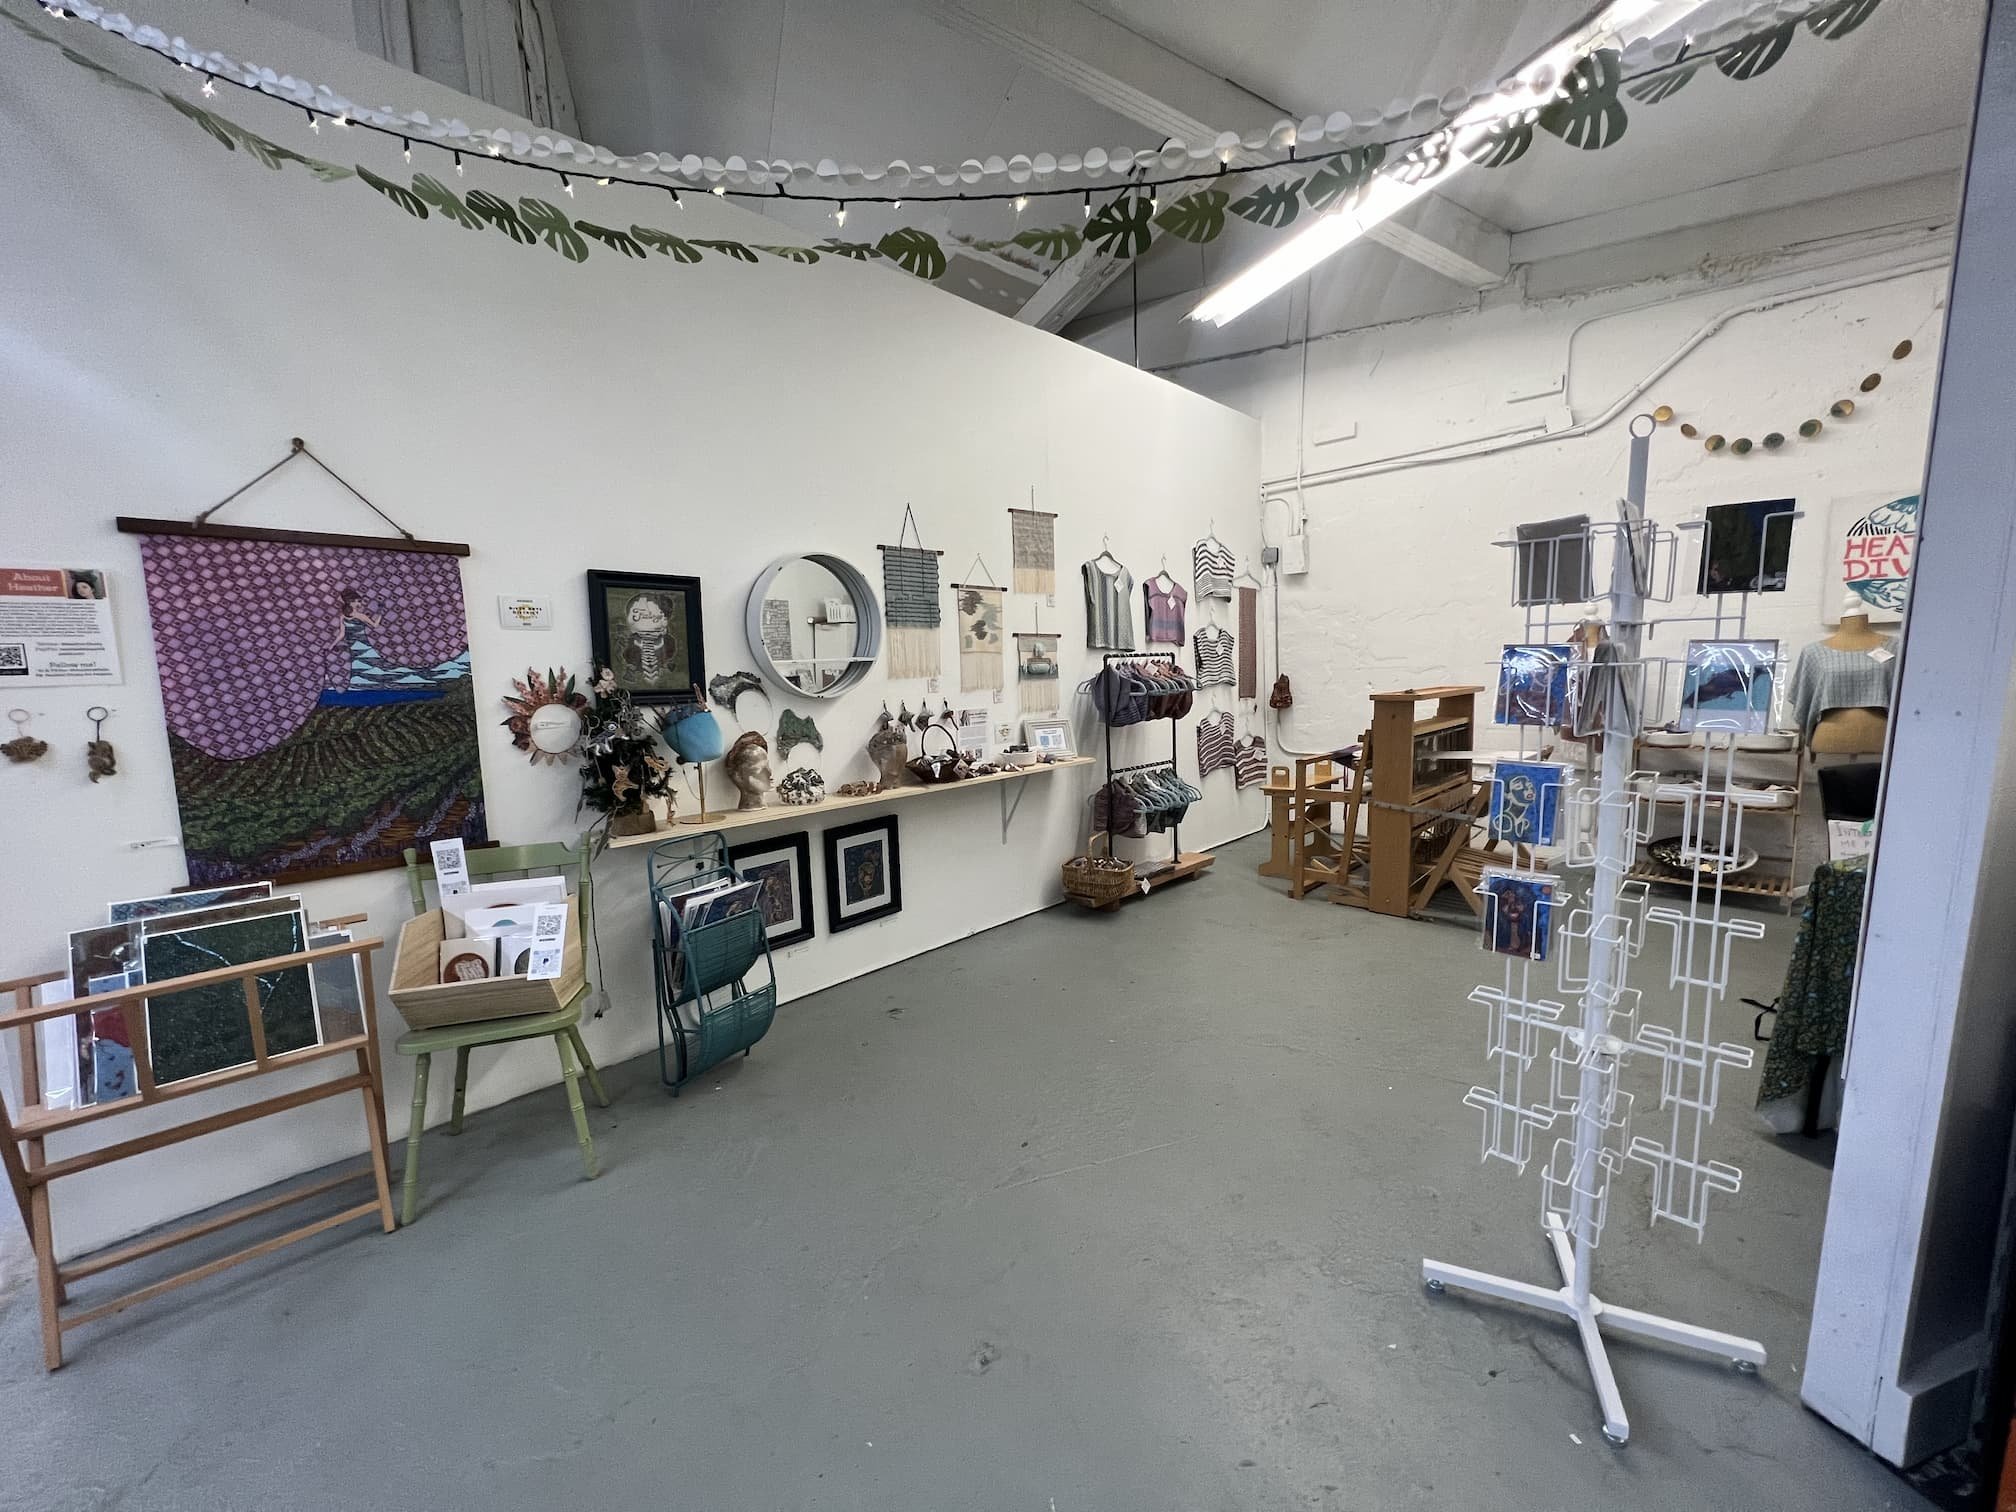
(864, 873)
(655, 669)
(782, 868)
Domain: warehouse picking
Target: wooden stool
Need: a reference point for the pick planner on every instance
(462, 1038)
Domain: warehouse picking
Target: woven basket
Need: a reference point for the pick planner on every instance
(1097, 881)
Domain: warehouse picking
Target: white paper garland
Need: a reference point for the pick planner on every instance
(1714, 25)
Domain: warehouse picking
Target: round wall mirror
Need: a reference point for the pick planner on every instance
(814, 624)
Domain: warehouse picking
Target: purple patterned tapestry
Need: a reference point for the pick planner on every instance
(318, 701)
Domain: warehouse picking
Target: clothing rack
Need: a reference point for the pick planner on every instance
(1179, 865)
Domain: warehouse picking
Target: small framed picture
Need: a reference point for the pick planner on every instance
(864, 873)
(1047, 737)
(781, 868)
(645, 627)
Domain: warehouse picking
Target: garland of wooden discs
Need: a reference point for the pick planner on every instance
(1742, 446)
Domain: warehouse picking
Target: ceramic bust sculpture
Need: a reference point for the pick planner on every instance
(748, 763)
(889, 749)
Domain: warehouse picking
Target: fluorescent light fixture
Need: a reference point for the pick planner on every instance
(1534, 87)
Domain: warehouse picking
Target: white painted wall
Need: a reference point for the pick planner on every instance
(175, 312)
(1421, 441)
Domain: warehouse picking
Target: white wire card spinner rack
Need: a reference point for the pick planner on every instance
(1597, 1022)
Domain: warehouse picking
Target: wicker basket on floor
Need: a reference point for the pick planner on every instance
(1097, 881)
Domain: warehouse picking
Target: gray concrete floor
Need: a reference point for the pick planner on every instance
(1088, 1212)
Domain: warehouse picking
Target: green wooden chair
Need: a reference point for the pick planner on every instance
(563, 1024)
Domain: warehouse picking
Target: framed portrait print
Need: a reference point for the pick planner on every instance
(646, 628)
(864, 873)
(781, 868)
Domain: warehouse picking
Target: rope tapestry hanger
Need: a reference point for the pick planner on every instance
(296, 447)
(1584, 108)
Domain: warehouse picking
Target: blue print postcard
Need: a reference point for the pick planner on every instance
(1526, 801)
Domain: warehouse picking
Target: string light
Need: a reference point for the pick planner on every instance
(209, 89)
(567, 185)
(343, 121)
(720, 188)
(314, 121)
(677, 203)
(458, 164)
(406, 149)
(1088, 204)
(898, 205)
(839, 213)
(603, 182)
(1021, 203)
(495, 150)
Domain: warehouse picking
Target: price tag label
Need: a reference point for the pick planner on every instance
(1882, 654)
(549, 941)
(451, 867)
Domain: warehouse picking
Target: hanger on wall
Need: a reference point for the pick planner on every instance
(296, 447)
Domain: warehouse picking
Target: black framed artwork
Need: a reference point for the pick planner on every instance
(646, 628)
(864, 873)
(782, 869)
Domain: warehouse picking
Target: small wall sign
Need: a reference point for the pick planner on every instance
(519, 611)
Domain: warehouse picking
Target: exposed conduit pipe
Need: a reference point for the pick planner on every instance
(1278, 489)
(1528, 436)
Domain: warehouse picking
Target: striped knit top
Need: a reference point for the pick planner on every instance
(1214, 657)
(1249, 762)
(1212, 564)
(1163, 599)
(1214, 743)
(1109, 605)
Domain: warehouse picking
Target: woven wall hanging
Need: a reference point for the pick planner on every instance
(1034, 544)
(1036, 671)
(910, 603)
(980, 633)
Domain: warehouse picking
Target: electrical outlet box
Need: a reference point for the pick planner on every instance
(1269, 555)
(1294, 556)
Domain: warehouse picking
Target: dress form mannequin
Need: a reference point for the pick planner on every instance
(1852, 732)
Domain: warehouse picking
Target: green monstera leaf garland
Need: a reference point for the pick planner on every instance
(1588, 114)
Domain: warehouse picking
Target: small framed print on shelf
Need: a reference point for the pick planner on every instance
(1047, 737)
(781, 868)
(864, 873)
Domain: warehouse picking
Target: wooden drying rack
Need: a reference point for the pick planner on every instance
(30, 1172)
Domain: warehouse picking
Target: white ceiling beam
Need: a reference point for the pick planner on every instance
(1133, 77)
(1934, 153)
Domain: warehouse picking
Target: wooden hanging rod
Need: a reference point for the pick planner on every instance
(911, 548)
(128, 525)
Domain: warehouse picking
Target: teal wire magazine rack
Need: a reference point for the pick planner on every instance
(713, 1001)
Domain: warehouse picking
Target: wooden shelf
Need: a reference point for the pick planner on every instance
(36, 1121)
(1758, 887)
(785, 812)
(1189, 864)
(1446, 722)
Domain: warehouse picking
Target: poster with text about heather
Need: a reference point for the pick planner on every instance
(318, 701)
(56, 628)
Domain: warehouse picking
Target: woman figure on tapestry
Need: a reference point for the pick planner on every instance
(366, 677)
